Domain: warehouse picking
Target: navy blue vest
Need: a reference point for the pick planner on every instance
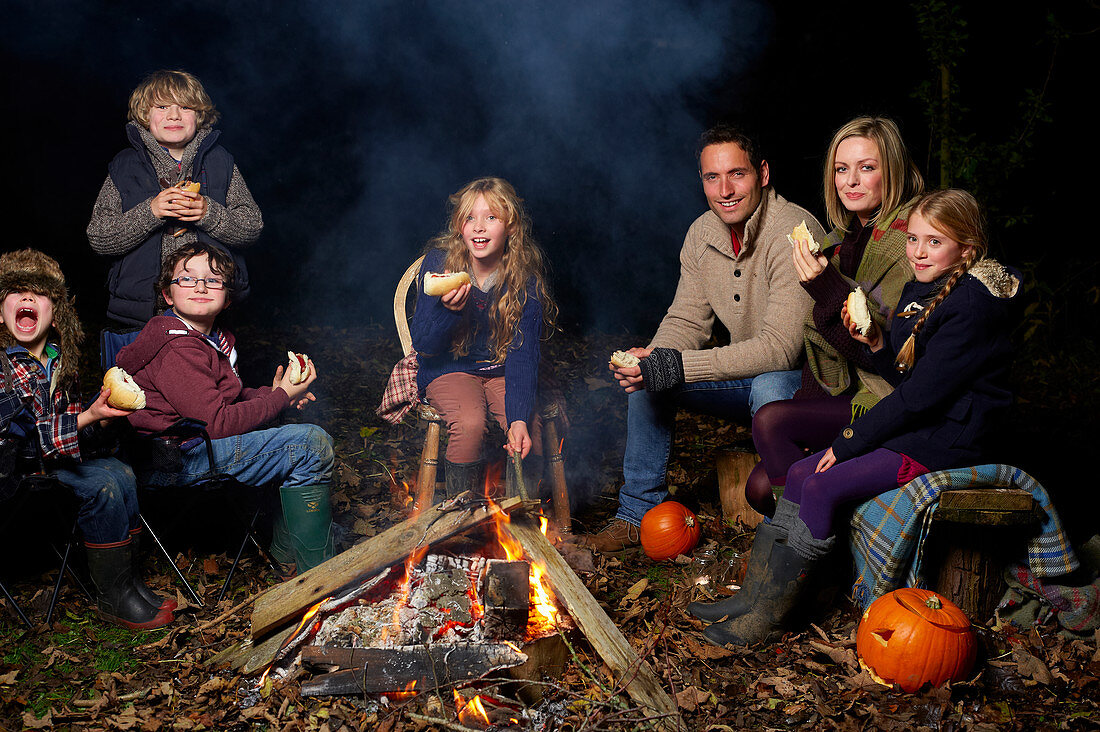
(132, 278)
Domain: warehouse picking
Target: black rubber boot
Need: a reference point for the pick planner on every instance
(784, 582)
(464, 477)
(739, 604)
(161, 603)
(119, 602)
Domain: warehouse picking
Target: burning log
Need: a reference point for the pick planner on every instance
(387, 670)
(504, 591)
(640, 681)
(287, 601)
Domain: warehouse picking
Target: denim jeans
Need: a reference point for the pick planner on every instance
(107, 491)
(291, 455)
(651, 418)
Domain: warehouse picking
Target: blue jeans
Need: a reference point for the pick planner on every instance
(291, 455)
(651, 418)
(107, 491)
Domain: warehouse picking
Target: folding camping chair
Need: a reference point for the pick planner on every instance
(163, 452)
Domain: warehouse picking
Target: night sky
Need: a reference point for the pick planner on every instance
(353, 121)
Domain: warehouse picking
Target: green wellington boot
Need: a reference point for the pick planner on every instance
(302, 535)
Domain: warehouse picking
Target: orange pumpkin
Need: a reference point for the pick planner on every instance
(669, 529)
(912, 636)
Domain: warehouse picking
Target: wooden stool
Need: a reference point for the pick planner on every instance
(733, 468)
(555, 467)
(975, 532)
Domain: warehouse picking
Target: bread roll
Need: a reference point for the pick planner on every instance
(298, 368)
(801, 233)
(191, 186)
(623, 360)
(125, 394)
(858, 311)
(436, 284)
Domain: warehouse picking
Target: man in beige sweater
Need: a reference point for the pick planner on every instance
(735, 266)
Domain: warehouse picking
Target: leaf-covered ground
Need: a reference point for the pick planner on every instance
(81, 674)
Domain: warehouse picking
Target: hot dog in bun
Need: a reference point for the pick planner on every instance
(125, 394)
(436, 284)
(299, 367)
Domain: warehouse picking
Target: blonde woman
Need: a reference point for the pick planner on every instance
(478, 345)
(869, 184)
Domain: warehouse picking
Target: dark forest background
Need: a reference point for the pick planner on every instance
(352, 122)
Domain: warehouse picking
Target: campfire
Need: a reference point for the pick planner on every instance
(465, 593)
(448, 616)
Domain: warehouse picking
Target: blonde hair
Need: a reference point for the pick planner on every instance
(522, 263)
(172, 87)
(958, 215)
(901, 180)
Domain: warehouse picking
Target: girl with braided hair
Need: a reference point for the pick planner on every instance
(947, 353)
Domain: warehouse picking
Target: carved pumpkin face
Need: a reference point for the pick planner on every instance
(911, 636)
(669, 529)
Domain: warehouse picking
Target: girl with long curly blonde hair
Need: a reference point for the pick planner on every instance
(478, 345)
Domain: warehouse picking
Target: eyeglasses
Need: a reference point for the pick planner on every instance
(211, 283)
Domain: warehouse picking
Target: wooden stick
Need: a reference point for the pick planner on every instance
(226, 615)
(643, 687)
(283, 602)
(555, 468)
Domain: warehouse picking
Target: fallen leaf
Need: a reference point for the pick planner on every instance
(9, 678)
(635, 591)
(692, 698)
(705, 651)
(32, 722)
(1031, 667)
(216, 683)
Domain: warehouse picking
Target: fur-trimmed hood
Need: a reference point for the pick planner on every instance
(31, 270)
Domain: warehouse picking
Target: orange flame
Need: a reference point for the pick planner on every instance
(306, 618)
(546, 612)
(408, 693)
(472, 711)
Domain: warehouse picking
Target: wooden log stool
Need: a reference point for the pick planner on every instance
(975, 533)
(733, 467)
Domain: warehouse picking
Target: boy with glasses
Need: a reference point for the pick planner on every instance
(187, 367)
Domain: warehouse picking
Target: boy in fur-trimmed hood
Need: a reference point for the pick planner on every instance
(40, 407)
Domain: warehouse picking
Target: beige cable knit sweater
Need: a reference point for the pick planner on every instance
(756, 295)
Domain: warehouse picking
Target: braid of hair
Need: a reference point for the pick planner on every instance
(907, 356)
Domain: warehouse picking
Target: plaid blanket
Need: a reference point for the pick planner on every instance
(1030, 601)
(888, 531)
(401, 391)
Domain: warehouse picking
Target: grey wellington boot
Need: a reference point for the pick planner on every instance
(739, 604)
(784, 583)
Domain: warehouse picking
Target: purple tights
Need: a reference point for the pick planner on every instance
(819, 494)
(783, 433)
